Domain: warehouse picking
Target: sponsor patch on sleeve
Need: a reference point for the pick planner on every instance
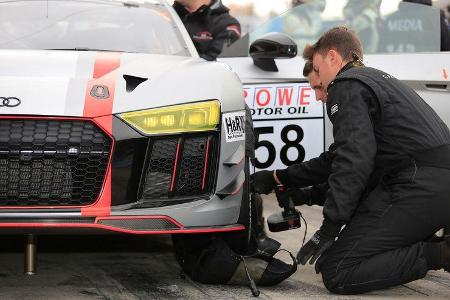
(234, 126)
(235, 29)
(334, 109)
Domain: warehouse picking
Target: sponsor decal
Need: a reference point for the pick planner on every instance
(9, 101)
(203, 36)
(274, 101)
(235, 29)
(100, 92)
(334, 109)
(234, 126)
(288, 121)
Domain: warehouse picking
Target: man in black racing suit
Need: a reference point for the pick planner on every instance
(209, 25)
(388, 173)
(315, 194)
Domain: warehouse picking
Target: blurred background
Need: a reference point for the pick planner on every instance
(384, 26)
(254, 13)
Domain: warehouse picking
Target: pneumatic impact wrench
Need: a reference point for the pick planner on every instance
(287, 219)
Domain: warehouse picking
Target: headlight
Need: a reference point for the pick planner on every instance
(199, 116)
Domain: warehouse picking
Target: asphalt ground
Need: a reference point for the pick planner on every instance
(143, 267)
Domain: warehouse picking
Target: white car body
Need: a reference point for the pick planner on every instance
(72, 88)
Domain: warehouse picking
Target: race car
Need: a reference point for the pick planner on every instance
(110, 121)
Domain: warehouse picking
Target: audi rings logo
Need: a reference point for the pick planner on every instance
(9, 101)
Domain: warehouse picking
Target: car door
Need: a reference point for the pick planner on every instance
(289, 122)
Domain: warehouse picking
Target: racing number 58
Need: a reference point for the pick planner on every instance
(288, 143)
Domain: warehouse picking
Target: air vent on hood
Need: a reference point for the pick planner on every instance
(133, 82)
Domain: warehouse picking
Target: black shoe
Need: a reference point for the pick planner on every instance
(267, 246)
(262, 271)
(446, 239)
(276, 272)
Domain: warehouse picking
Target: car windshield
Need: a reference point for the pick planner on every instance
(85, 25)
(384, 26)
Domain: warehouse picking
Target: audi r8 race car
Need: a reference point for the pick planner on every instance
(110, 121)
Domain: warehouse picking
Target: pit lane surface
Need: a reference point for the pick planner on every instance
(134, 267)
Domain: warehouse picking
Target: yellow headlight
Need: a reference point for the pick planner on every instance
(151, 122)
(199, 116)
(168, 120)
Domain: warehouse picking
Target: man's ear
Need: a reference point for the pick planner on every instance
(334, 57)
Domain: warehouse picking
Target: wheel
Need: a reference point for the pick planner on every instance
(241, 242)
(244, 242)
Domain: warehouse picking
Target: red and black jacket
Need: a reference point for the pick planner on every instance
(210, 28)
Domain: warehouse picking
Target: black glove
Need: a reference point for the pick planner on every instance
(319, 243)
(263, 182)
(298, 196)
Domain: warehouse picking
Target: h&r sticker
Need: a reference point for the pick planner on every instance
(234, 126)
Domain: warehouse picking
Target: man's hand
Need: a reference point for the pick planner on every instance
(319, 243)
(298, 196)
(314, 248)
(263, 182)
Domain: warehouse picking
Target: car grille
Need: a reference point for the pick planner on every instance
(51, 162)
(180, 170)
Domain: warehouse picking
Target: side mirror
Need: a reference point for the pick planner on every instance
(270, 46)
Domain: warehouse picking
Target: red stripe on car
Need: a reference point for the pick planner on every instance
(205, 166)
(104, 76)
(100, 109)
(175, 164)
(76, 226)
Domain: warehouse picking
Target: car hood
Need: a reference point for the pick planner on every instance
(61, 83)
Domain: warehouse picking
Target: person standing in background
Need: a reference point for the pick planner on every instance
(209, 25)
(363, 17)
(445, 34)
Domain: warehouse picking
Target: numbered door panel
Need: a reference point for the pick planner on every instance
(286, 142)
(289, 123)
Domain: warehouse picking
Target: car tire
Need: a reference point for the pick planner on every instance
(241, 242)
(244, 242)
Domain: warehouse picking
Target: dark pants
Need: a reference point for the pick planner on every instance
(383, 246)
